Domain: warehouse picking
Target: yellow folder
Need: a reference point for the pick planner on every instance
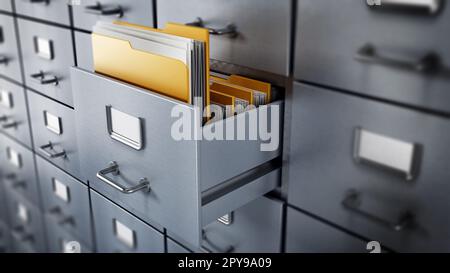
(252, 84)
(222, 99)
(233, 90)
(117, 58)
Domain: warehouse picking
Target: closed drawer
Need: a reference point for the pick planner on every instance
(83, 46)
(27, 228)
(47, 53)
(14, 113)
(61, 241)
(6, 5)
(18, 169)
(9, 53)
(373, 168)
(346, 44)
(133, 11)
(53, 128)
(174, 247)
(56, 11)
(126, 149)
(4, 238)
(262, 28)
(65, 200)
(253, 228)
(3, 209)
(118, 231)
(308, 235)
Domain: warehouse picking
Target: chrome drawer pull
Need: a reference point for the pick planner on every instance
(3, 118)
(99, 9)
(214, 247)
(429, 63)
(19, 184)
(113, 168)
(38, 1)
(44, 149)
(352, 202)
(4, 60)
(20, 232)
(431, 6)
(44, 78)
(9, 125)
(230, 29)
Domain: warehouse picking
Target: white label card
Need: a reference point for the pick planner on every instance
(52, 122)
(6, 98)
(14, 157)
(124, 234)
(43, 48)
(22, 212)
(61, 190)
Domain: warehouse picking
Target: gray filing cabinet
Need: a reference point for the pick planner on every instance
(367, 166)
(9, 50)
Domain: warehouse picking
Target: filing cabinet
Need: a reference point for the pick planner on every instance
(54, 133)
(391, 54)
(47, 56)
(117, 230)
(27, 227)
(255, 227)
(18, 169)
(305, 234)
(65, 201)
(56, 11)
(174, 247)
(9, 52)
(61, 241)
(89, 12)
(126, 146)
(6, 6)
(4, 238)
(3, 210)
(372, 168)
(250, 33)
(83, 46)
(14, 112)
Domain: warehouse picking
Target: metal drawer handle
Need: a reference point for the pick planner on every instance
(230, 29)
(12, 124)
(106, 10)
(352, 202)
(19, 184)
(60, 217)
(4, 60)
(113, 168)
(429, 63)
(19, 231)
(216, 248)
(3, 118)
(44, 149)
(38, 1)
(432, 6)
(44, 78)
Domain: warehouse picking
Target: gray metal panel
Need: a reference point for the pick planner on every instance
(55, 10)
(173, 247)
(6, 5)
(134, 11)
(83, 46)
(29, 234)
(169, 165)
(16, 112)
(323, 169)
(38, 106)
(75, 207)
(9, 49)
(255, 227)
(263, 27)
(58, 237)
(22, 178)
(330, 33)
(5, 239)
(58, 66)
(307, 235)
(146, 238)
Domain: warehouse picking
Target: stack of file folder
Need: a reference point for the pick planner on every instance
(173, 61)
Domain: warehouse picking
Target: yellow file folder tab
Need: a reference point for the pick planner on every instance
(124, 54)
(261, 90)
(224, 101)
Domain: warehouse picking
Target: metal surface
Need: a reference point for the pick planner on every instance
(10, 67)
(49, 10)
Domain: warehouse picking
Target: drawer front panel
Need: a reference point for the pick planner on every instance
(14, 112)
(307, 235)
(65, 200)
(56, 11)
(47, 56)
(262, 27)
(346, 44)
(83, 46)
(6, 5)
(118, 231)
(9, 54)
(4, 238)
(61, 241)
(53, 127)
(174, 247)
(18, 169)
(366, 166)
(131, 11)
(27, 226)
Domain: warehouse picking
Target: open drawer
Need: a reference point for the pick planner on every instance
(130, 151)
